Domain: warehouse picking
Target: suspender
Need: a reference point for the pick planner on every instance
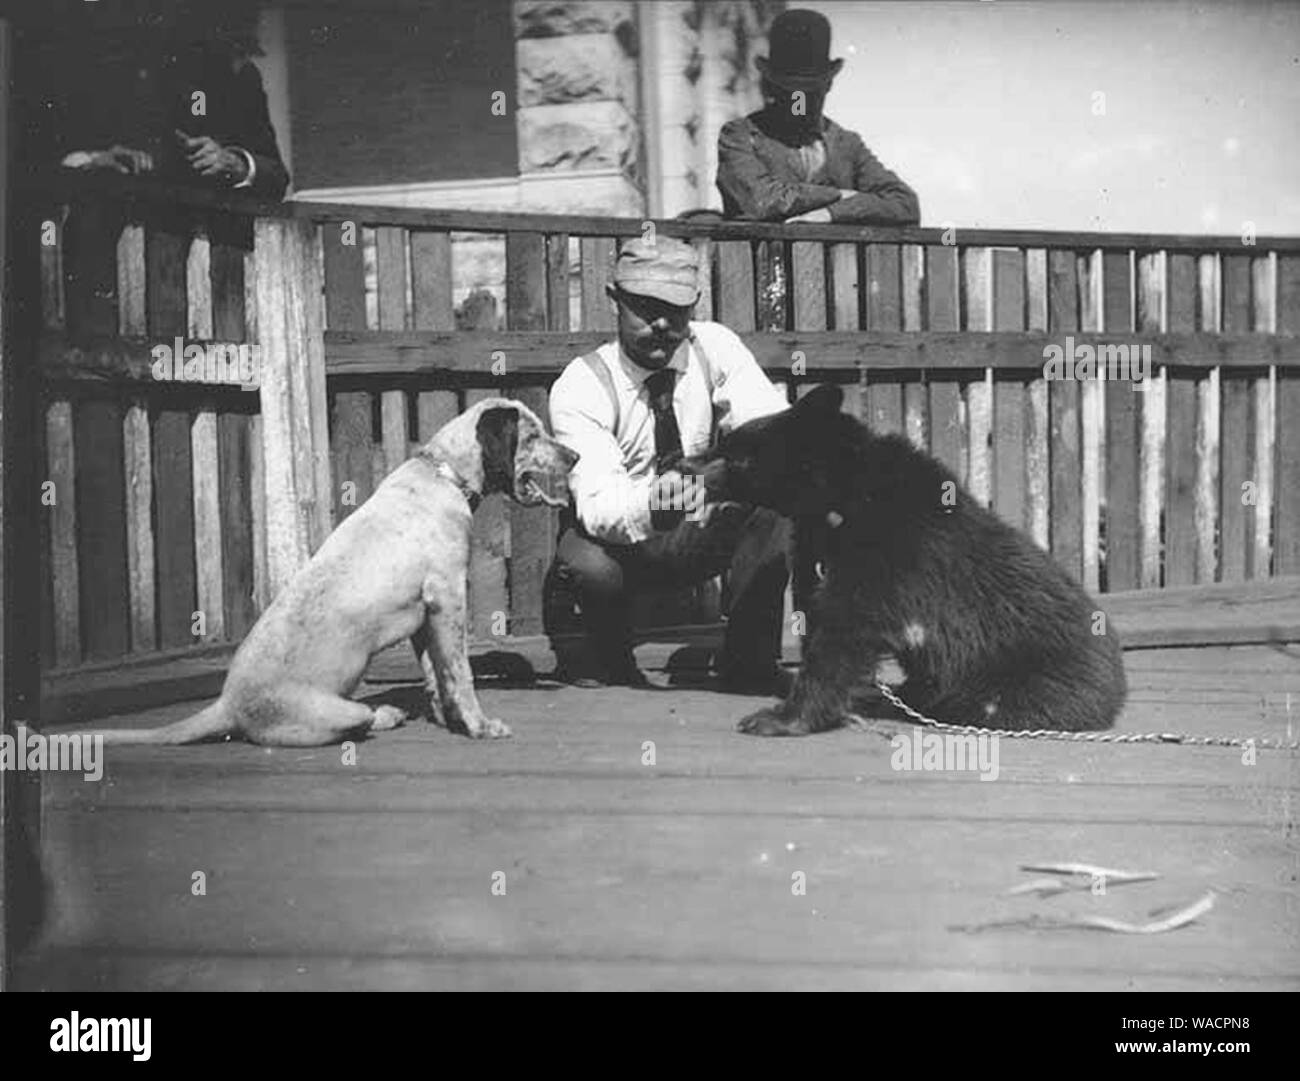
(600, 370)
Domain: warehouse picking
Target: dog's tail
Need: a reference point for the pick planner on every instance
(207, 724)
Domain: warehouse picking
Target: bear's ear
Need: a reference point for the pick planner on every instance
(821, 401)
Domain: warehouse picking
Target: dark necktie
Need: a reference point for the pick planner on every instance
(668, 438)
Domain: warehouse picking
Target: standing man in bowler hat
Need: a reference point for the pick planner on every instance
(631, 410)
(788, 162)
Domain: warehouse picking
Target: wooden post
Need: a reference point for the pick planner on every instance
(20, 318)
(290, 363)
(8, 833)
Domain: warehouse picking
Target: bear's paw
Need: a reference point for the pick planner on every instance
(768, 722)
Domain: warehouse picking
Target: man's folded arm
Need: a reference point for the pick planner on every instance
(749, 183)
(882, 199)
(267, 173)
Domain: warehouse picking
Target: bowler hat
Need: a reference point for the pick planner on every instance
(800, 43)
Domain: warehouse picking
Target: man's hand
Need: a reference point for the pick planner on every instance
(209, 158)
(675, 493)
(117, 159)
(670, 490)
(821, 216)
(706, 513)
(711, 479)
(703, 487)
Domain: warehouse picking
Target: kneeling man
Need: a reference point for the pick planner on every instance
(631, 410)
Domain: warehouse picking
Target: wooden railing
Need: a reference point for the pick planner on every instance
(942, 336)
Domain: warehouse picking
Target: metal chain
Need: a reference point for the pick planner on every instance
(1078, 737)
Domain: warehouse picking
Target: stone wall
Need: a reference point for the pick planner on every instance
(578, 108)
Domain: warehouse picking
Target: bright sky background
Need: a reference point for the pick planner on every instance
(986, 109)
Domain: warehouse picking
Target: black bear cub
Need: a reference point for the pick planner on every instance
(987, 627)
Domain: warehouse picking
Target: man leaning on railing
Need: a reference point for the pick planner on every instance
(788, 162)
(186, 106)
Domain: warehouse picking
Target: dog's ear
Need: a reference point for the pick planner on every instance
(498, 440)
(821, 401)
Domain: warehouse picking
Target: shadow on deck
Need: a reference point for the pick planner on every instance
(612, 874)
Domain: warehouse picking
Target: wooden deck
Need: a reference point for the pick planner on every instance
(619, 875)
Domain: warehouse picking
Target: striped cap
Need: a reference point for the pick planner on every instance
(664, 268)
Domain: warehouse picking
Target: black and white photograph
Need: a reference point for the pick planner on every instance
(651, 495)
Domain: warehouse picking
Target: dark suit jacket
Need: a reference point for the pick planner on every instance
(237, 115)
(762, 179)
(136, 98)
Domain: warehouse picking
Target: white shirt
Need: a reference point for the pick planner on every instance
(813, 157)
(611, 482)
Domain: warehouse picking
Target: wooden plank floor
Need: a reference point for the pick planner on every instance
(618, 875)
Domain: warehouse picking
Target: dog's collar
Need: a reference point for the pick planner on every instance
(444, 470)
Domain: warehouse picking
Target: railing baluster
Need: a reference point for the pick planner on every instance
(345, 310)
(707, 252)
(65, 573)
(1066, 496)
(1123, 432)
(557, 281)
(209, 583)
(736, 299)
(390, 254)
(1286, 558)
(1207, 431)
(173, 481)
(137, 450)
(597, 272)
(846, 270)
(847, 311)
(808, 284)
(173, 485)
(53, 298)
(1182, 411)
(1237, 439)
(1264, 321)
(208, 561)
(97, 440)
(943, 313)
(538, 274)
(979, 393)
(916, 395)
(1151, 467)
(884, 394)
(431, 272)
(1090, 423)
(1008, 424)
(234, 432)
(1037, 434)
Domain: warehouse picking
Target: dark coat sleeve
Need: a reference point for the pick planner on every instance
(883, 198)
(749, 187)
(256, 135)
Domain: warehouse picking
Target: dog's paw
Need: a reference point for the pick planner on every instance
(495, 729)
(768, 722)
(386, 717)
(487, 728)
